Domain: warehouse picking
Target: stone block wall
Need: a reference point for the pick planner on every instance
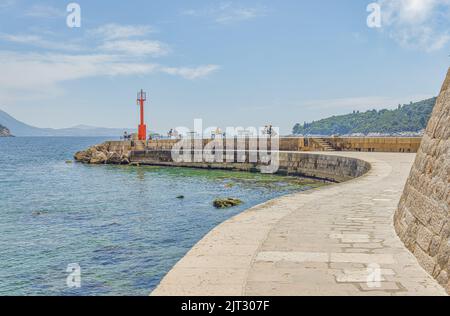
(332, 168)
(376, 144)
(422, 218)
(329, 168)
(366, 144)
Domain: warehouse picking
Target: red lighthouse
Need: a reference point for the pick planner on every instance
(142, 130)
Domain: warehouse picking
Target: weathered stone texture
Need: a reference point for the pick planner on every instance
(422, 218)
(331, 168)
(106, 153)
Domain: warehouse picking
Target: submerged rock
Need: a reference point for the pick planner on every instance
(39, 213)
(226, 203)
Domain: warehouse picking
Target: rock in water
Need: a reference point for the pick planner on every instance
(82, 156)
(4, 132)
(104, 154)
(226, 203)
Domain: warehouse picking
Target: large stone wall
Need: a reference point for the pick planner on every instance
(376, 144)
(422, 219)
(365, 144)
(330, 168)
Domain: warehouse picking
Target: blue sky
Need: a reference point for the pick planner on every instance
(231, 63)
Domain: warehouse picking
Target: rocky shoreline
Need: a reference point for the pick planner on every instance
(5, 132)
(104, 154)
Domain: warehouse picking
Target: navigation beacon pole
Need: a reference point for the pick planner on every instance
(142, 130)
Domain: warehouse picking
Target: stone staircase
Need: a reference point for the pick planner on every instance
(322, 142)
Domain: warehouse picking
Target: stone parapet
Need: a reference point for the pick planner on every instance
(361, 144)
(325, 167)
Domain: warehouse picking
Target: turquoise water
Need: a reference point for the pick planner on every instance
(123, 225)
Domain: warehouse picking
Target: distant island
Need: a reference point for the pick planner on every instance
(21, 129)
(410, 119)
(4, 132)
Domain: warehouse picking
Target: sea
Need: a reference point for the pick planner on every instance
(69, 229)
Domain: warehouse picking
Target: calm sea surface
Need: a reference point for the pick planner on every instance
(124, 226)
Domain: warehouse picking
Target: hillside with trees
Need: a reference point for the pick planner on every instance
(409, 118)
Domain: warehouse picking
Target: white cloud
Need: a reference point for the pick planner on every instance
(36, 75)
(422, 24)
(35, 70)
(38, 41)
(122, 39)
(45, 11)
(136, 47)
(115, 50)
(191, 73)
(228, 12)
(116, 31)
(239, 14)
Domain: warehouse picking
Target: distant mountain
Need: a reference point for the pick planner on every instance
(18, 128)
(410, 118)
(4, 132)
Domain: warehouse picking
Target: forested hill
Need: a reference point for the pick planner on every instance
(412, 117)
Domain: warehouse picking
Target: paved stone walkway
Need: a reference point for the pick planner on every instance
(336, 240)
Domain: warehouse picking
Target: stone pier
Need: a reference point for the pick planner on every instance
(336, 240)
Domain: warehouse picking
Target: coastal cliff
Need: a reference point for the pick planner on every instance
(4, 132)
(422, 218)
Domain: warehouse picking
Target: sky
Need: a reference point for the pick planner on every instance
(230, 63)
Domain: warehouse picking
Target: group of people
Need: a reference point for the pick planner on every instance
(174, 134)
(268, 130)
(127, 136)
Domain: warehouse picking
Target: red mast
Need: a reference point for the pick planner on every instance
(142, 130)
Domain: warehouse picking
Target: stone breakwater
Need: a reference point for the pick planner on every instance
(120, 152)
(422, 218)
(324, 167)
(326, 241)
(117, 153)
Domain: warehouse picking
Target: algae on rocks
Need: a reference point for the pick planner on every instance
(226, 203)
